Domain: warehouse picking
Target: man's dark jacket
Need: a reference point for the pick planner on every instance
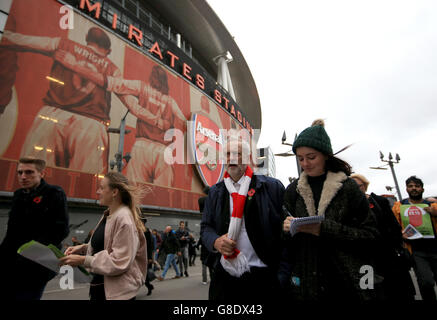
(262, 215)
(170, 244)
(392, 259)
(39, 215)
(149, 242)
(182, 233)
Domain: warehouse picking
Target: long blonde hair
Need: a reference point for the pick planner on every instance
(130, 196)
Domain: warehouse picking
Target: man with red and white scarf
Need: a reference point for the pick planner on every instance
(241, 227)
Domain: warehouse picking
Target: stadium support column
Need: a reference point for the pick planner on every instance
(223, 75)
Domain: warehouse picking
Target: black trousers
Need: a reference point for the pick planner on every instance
(426, 273)
(97, 292)
(260, 284)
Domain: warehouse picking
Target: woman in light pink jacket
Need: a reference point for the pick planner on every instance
(116, 254)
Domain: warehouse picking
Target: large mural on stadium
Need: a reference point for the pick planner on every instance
(62, 89)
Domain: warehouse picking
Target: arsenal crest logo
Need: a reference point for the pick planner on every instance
(206, 144)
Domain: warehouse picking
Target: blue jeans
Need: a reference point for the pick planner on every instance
(170, 259)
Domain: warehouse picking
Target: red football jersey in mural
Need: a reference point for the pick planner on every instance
(78, 94)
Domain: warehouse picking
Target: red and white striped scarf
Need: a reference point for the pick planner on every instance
(236, 264)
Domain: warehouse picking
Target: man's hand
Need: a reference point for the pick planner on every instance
(224, 245)
(431, 210)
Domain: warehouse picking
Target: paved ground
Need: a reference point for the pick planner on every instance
(186, 288)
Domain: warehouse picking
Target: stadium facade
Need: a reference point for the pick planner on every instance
(93, 86)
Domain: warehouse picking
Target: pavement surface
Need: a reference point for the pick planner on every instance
(185, 288)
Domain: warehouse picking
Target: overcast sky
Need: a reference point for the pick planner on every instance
(368, 68)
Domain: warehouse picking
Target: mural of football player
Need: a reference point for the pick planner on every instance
(70, 130)
(8, 72)
(156, 112)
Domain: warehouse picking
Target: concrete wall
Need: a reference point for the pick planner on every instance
(79, 215)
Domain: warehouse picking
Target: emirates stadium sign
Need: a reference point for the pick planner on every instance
(206, 143)
(173, 60)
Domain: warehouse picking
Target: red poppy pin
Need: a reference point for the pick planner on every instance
(250, 193)
(371, 205)
(37, 199)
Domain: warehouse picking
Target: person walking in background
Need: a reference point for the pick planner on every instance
(241, 228)
(170, 247)
(323, 260)
(149, 242)
(38, 212)
(75, 241)
(192, 254)
(116, 254)
(183, 236)
(424, 250)
(158, 240)
(203, 258)
(203, 250)
(392, 261)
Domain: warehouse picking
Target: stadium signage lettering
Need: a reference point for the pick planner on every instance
(136, 35)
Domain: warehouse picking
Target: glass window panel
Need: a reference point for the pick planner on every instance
(3, 18)
(5, 5)
(131, 6)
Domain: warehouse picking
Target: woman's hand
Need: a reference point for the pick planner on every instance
(73, 260)
(74, 250)
(287, 224)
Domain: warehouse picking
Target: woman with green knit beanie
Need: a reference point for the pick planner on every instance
(324, 260)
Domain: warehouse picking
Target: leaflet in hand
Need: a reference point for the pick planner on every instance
(417, 217)
(297, 222)
(412, 233)
(48, 256)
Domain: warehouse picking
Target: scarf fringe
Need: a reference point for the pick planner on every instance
(235, 267)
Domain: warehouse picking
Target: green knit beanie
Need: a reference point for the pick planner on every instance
(314, 137)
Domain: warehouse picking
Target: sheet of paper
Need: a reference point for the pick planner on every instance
(297, 222)
(412, 233)
(45, 255)
(417, 217)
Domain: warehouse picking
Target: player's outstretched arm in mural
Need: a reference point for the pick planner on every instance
(22, 42)
(69, 130)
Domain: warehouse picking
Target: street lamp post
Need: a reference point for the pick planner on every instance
(390, 162)
(118, 162)
(289, 153)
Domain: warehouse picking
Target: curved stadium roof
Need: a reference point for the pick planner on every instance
(201, 26)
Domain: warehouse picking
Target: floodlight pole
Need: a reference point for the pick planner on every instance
(284, 138)
(391, 163)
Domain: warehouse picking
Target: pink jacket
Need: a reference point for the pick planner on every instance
(123, 262)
